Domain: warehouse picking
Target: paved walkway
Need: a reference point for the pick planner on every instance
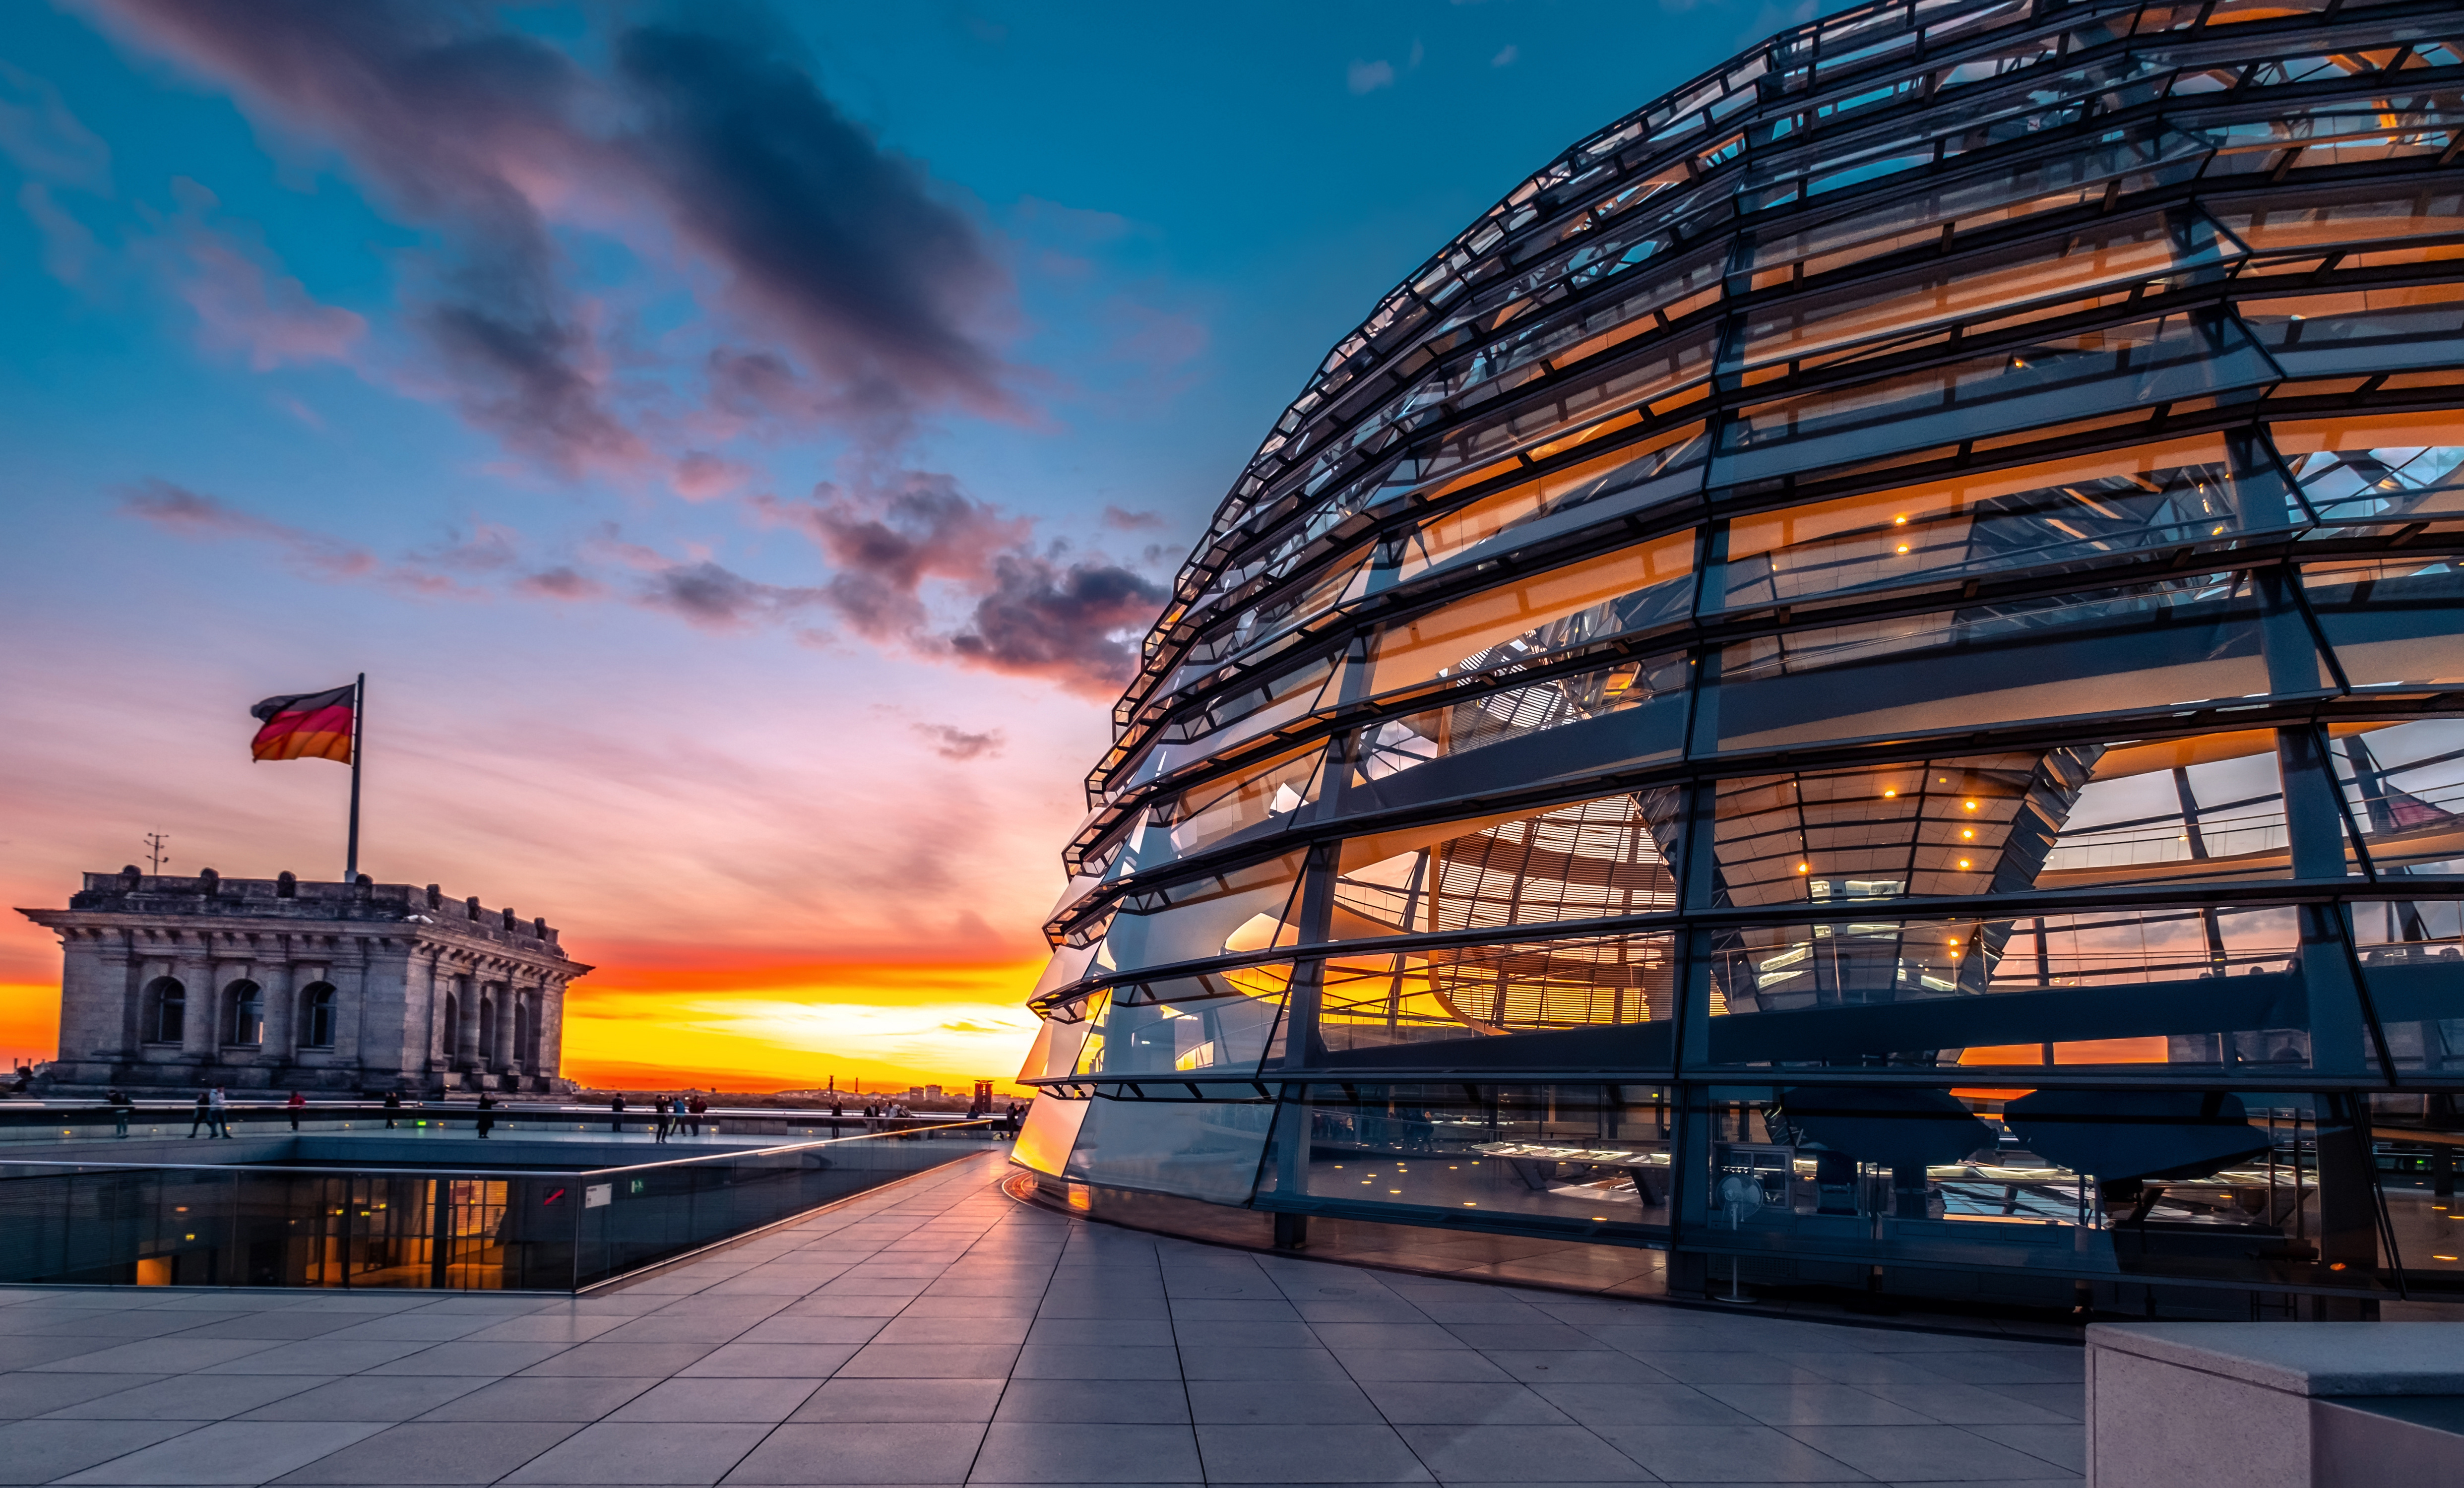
(940, 1333)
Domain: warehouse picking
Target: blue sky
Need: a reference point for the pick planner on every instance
(740, 444)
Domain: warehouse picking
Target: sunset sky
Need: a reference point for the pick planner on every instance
(741, 446)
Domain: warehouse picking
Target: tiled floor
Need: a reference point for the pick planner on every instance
(936, 1332)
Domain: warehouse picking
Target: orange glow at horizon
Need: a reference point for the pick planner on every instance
(793, 1026)
(753, 1026)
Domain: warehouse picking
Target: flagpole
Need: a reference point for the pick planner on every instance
(359, 705)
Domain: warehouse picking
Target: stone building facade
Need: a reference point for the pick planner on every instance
(176, 983)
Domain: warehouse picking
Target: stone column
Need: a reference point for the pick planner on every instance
(551, 1060)
(349, 974)
(466, 1036)
(387, 1041)
(200, 1037)
(431, 1013)
(278, 987)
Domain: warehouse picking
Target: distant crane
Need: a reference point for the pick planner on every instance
(154, 855)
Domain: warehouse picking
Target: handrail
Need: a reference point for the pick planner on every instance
(729, 1155)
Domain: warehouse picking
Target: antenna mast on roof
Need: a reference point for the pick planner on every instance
(154, 855)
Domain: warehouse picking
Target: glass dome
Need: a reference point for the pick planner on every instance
(1858, 683)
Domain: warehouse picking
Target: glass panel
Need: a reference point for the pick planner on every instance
(1585, 861)
(1631, 589)
(1217, 1025)
(1450, 995)
(2404, 792)
(1388, 750)
(2070, 267)
(2204, 809)
(2058, 378)
(1238, 716)
(2362, 331)
(1239, 909)
(1049, 1133)
(2391, 621)
(1441, 538)
(2374, 214)
(2078, 511)
(1964, 825)
(1205, 1150)
(1058, 1038)
(2376, 474)
(2004, 194)
(1584, 1154)
(2148, 646)
(1220, 810)
(1278, 612)
(2412, 962)
(2202, 987)
(1813, 1184)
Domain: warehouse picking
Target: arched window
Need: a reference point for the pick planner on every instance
(524, 1024)
(317, 1014)
(452, 1025)
(166, 1010)
(246, 1012)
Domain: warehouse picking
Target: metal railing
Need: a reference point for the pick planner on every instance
(77, 1120)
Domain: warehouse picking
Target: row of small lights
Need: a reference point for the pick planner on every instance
(1403, 1169)
(1965, 834)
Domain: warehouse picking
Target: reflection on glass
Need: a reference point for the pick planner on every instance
(1390, 748)
(1632, 589)
(2070, 1184)
(1584, 860)
(1582, 1154)
(1238, 909)
(1380, 1001)
(1443, 538)
(2105, 651)
(1204, 1149)
(1215, 1025)
(2182, 493)
(2404, 790)
(2196, 987)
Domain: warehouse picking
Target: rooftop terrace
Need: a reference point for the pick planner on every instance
(936, 1331)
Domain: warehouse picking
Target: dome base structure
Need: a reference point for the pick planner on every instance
(1862, 684)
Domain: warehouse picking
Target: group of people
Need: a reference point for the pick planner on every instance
(213, 1113)
(671, 1115)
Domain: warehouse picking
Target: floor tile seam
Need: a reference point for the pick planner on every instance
(976, 1457)
(1791, 1432)
(194, 1427)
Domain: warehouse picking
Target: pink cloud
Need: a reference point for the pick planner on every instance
(245, 305)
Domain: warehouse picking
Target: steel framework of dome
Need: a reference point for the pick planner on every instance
(1860, 681)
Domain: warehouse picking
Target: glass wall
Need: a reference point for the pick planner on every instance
(165, 1225)
(1880, 702)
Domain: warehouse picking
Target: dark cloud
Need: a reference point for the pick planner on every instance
(719, 599)
(953, 743)
(1030, 612)
(1075, 625)
(560, 583)
(838, 242)
(716, 139)
(1120, 519)
(191, 514)
(887, 539)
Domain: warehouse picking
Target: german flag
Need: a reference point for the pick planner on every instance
(307, 726)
